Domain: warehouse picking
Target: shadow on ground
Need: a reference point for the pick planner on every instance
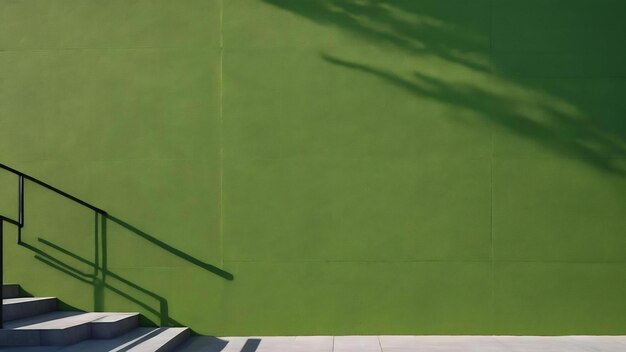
(215, 344)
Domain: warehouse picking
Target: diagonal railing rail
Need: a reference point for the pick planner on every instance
(20, 215)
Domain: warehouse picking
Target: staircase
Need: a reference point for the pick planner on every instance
(35, 321)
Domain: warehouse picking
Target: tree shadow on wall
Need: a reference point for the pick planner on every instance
(101, 278)
(404, 24)
(450, 45)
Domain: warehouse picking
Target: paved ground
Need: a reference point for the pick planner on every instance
(383, 344)
(407, 343)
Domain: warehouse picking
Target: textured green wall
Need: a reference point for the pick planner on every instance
(359, 166)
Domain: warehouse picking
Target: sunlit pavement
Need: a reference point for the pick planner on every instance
(407, 343)
(376, 344)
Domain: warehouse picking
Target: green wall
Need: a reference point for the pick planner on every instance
(358, 166)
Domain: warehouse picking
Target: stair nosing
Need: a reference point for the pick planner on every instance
(11, 325)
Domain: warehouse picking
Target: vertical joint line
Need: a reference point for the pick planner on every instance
(491, 60)
(491, 234)
(221, 134)
(491, 161)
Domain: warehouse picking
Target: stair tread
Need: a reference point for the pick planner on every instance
(112, 317)
(163, 336)
(105, 331)
(25, 307)
(117, 344)
(6, 301)
(120, 343)
(137, 340)
(64, 319)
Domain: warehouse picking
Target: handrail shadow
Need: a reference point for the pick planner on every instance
(177, 252)
(98, 277)
(98, 280)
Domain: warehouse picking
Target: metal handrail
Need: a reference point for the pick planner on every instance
(52, 188)
(20, 217)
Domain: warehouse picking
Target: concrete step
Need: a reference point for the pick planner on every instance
(164, 340)
(63, 328)
(137, 340)
(10, 291)
(23, 307)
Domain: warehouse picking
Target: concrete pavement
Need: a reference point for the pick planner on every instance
(407, 344)
(371, 344)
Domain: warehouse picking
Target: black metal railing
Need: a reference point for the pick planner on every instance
(20, 216)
